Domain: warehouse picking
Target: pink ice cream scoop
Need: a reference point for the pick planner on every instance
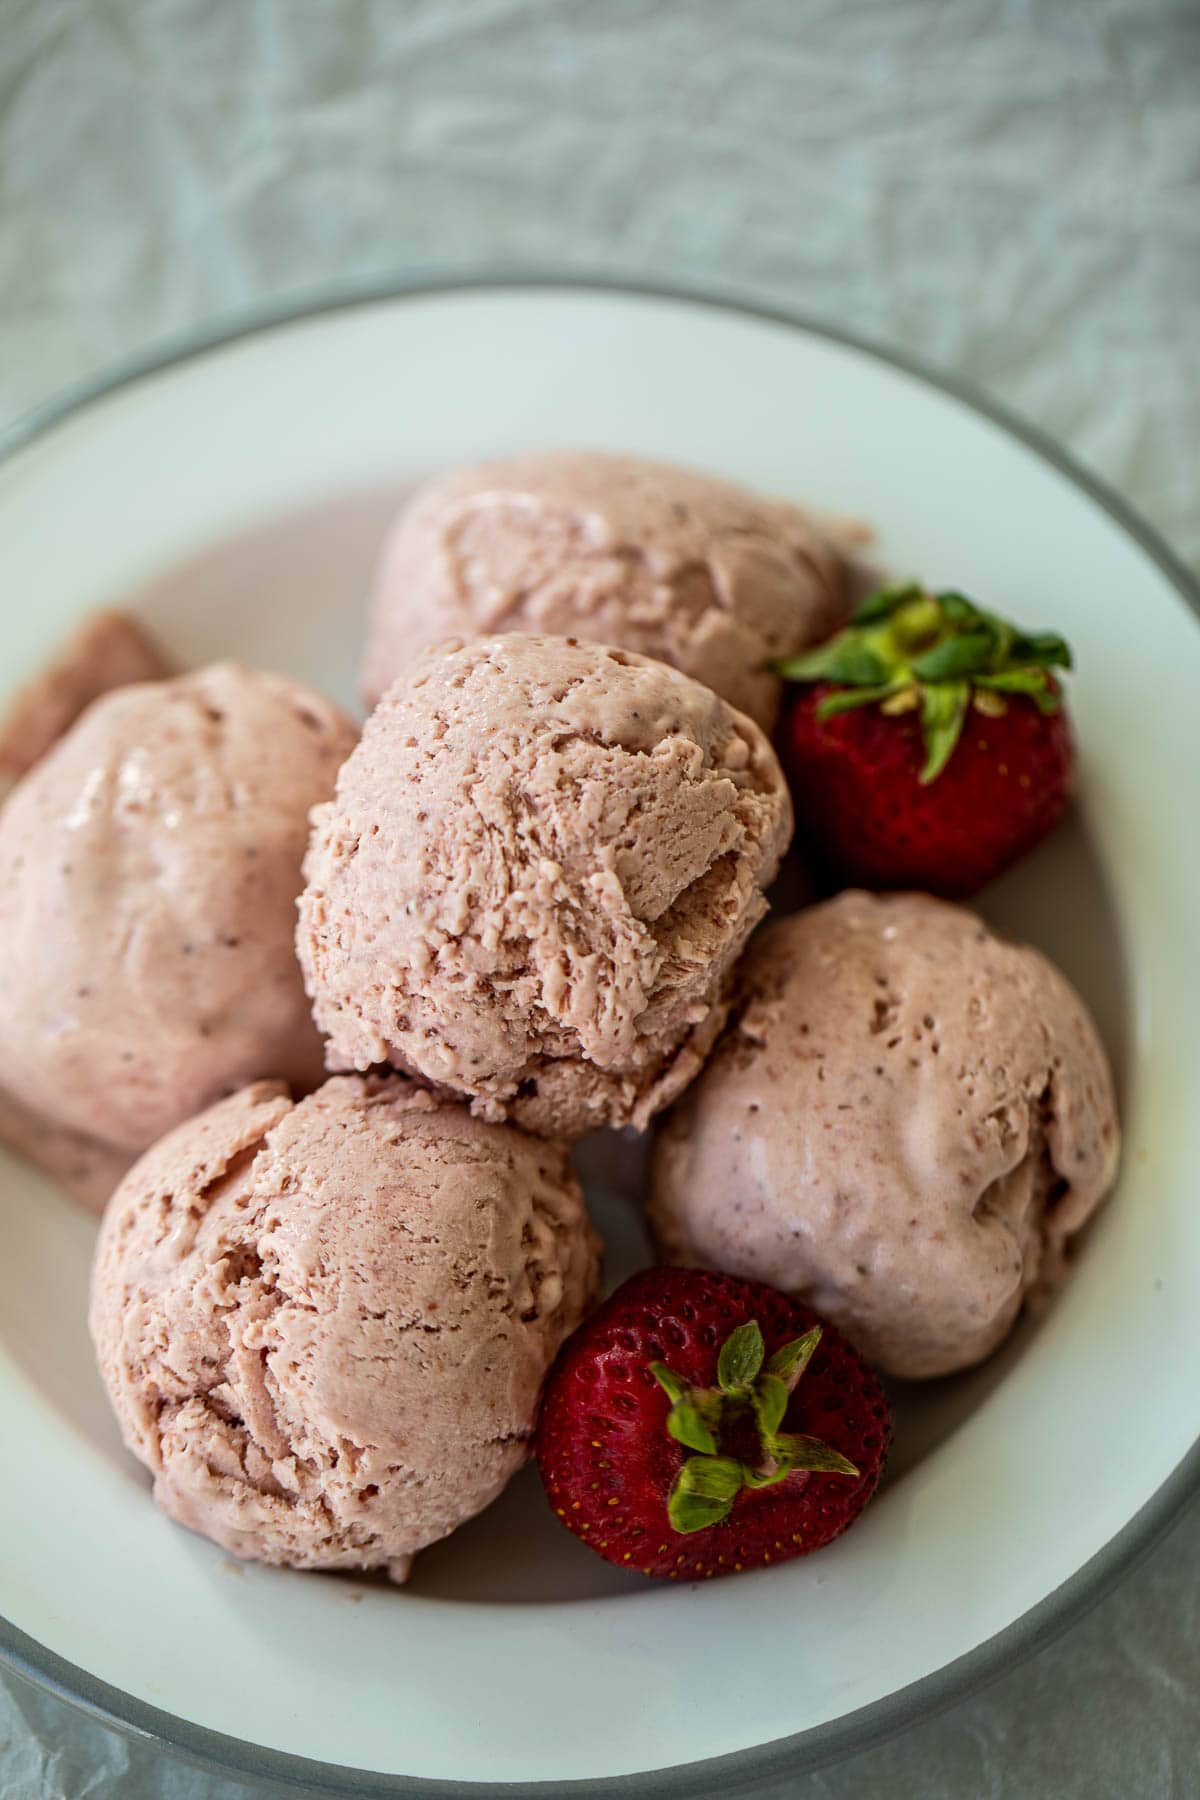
(666, 561)
(542, 862)
(149, 868)
(324, 1327)
(904, 1123)
(109, 649)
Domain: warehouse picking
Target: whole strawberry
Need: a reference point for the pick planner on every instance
(928, 746)
(698, 1425)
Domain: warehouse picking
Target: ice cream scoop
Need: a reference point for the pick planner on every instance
(149, 868)
(109, 649)
(324, 1327)
(903, 1125)
(542, 862)
(666, 561)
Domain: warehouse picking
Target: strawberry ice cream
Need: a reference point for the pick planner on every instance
(678, 565)
(324, 1327)
(149, 867)
(542, 863)
(108, 650)
(903, 1125)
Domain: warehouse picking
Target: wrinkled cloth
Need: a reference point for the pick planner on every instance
(1009, 191)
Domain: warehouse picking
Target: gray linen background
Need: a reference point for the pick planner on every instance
(1012, 191)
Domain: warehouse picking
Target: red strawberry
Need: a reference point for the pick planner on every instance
(933, 748)
(678, 1438)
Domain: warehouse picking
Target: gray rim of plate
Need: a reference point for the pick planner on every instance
(869, 1725)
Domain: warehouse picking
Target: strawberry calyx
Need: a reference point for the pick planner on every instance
(906, 648)
(742, 1414)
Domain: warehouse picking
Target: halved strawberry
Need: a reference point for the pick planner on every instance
(928, 745)
(698, 1425)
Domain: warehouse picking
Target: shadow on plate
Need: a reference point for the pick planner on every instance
(44, 1272)
(289, 593)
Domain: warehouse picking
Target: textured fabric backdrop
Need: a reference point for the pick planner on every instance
(1012, 191)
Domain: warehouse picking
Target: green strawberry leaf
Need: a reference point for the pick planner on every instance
(771, 1398)
(954, 656)
(692, 1512)
(885, 601)
(943, 709)
(794, 1451)
(1044, 648)
(741, 1357)
(672, 1385)
(848, 698)
(1031, 682)
(703, 1492)
(712, 1477)
(790, 1360)
(958, 609)
(845, 659)
(687, 1426)
(917, 624)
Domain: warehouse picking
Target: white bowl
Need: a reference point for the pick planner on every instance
(234, 494)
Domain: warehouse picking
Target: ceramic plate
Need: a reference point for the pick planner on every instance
(234, 494)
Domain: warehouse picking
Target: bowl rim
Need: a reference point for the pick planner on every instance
(866, 1726)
